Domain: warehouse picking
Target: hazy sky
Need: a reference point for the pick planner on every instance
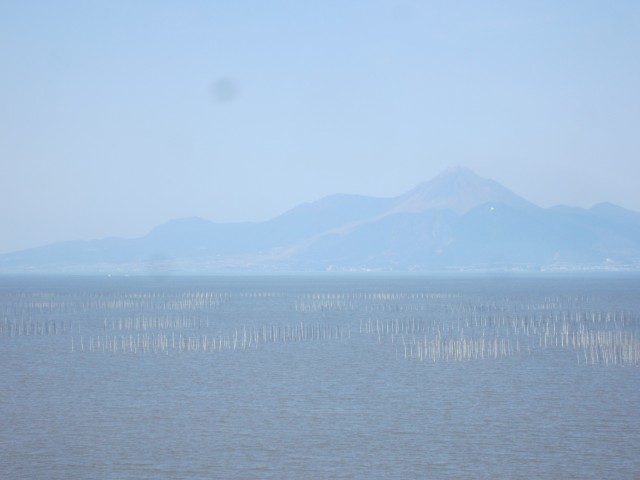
(116, 116)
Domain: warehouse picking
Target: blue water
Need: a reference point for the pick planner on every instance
(319, 377)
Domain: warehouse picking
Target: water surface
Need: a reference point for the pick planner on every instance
(319, 377)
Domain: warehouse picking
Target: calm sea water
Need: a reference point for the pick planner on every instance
(319, 377)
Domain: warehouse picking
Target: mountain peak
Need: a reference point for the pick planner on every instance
(459, 189)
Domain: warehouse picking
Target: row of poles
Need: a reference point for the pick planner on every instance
(599, 343)
(241, 339)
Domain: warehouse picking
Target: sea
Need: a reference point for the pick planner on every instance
(320, 376)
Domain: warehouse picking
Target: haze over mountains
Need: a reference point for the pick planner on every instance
(457, 221)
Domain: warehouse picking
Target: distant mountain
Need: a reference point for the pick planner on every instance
(456, 221)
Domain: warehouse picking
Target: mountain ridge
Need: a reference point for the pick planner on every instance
(456, 221)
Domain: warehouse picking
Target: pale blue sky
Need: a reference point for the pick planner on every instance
(116, 116)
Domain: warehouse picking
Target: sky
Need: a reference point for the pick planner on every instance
(119, 115)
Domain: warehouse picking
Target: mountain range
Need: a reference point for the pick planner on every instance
(458, 221)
